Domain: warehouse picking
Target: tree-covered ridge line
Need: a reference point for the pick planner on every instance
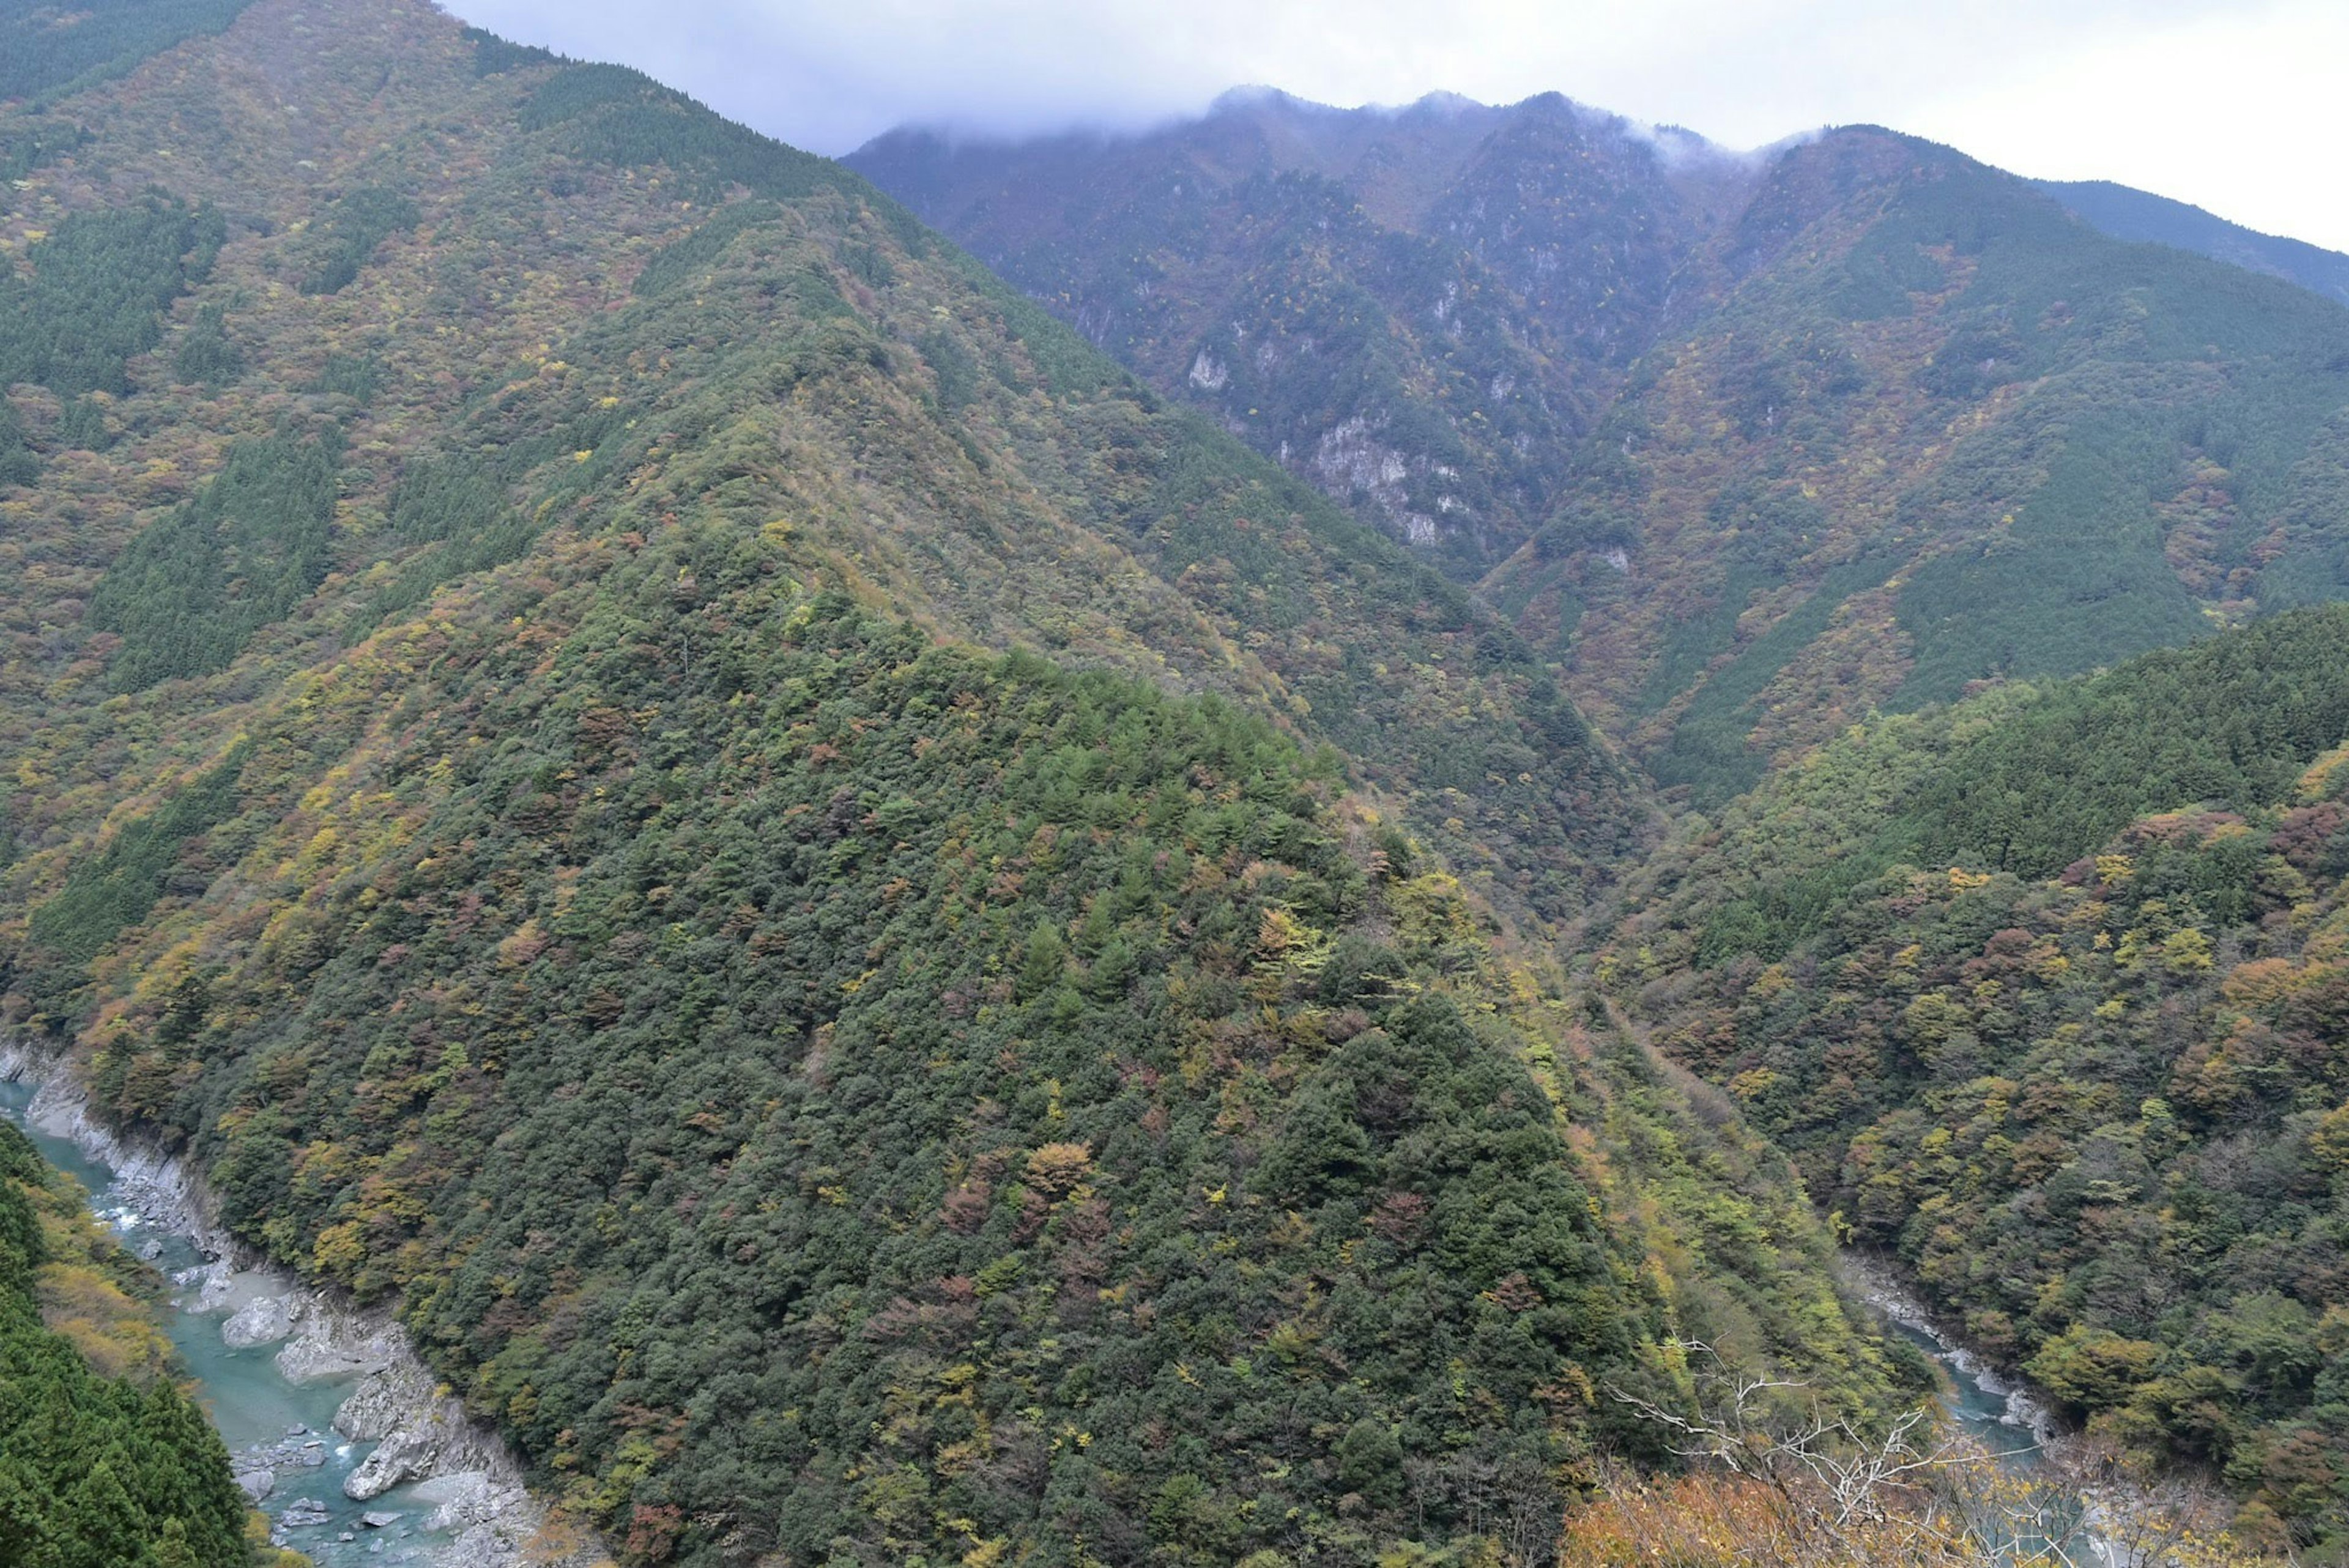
(2057, 450)
(748, 550)
(1418, 311)
(1774, 444)
(2027, 779)
(2149, 219)
(2042, 992)
(992, 1014)
(104, 1463)
(1193, 562)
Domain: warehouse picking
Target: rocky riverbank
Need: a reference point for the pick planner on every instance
(458, 1467)
(1880, 1288)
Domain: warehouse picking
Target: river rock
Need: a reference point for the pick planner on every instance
(438, 1441)
(262, 1321)
(423, 1433)
(383, 1401)
(204, 1289)
(501, 1525)
(379, 1519)
(290, 1452)
(337, 1343)
(257, 1484)
(466, 1499)
(483, 1546)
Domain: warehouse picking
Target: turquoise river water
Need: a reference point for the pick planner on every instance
(246, 1397)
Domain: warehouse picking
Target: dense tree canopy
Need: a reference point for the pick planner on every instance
(96, 1470)
(901, 1096)
(2044, 992)
(886, 944)
(97, 287)
(893, 948)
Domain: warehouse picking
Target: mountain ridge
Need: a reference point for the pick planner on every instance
(888, 944)
(2039, 990)
(1882, 374)
(2142, 215)
(891, 946)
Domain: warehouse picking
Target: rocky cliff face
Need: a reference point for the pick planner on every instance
(1420, 309)
(1747, 445)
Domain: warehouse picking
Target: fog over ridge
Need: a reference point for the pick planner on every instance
(2231, 105)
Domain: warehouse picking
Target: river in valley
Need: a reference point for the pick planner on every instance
(270, 1421)
(1995, 1411)
(267, 1420)
(1985, 1406)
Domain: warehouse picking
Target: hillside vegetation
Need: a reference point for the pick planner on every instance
(892, 948)
(889, 945)
(1420, 310)
(1744, 446)
(806, 357)
(2044, 991)
(855, 1092)
(1944, 434)
(2140, 215)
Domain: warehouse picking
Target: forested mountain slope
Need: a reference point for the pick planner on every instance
(1940, 432)
(875, 935)
(425, 270)
(2127, 214)
(1420, 310)
(45, 54)
(2045, 990)
(1853, 422)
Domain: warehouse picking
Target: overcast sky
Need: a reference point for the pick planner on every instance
(2239, 106)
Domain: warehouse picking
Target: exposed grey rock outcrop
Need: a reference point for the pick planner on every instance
(437, 1440)
(338, 1341)
(383, 1400)
(467, 1500)
(262, 1321)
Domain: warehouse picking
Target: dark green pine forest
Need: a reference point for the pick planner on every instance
(897, 941)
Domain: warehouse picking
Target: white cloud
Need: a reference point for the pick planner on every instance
(2232, 104)
(2248, 117)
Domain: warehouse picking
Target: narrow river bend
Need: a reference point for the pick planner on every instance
(269, 1422)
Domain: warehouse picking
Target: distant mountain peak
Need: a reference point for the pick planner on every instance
(1445, 102)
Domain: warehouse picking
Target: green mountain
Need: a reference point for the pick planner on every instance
(2044, 991)
(1852, 423)
(1420, 311)
(895, 943)
(2127, 214)
(889, 945)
